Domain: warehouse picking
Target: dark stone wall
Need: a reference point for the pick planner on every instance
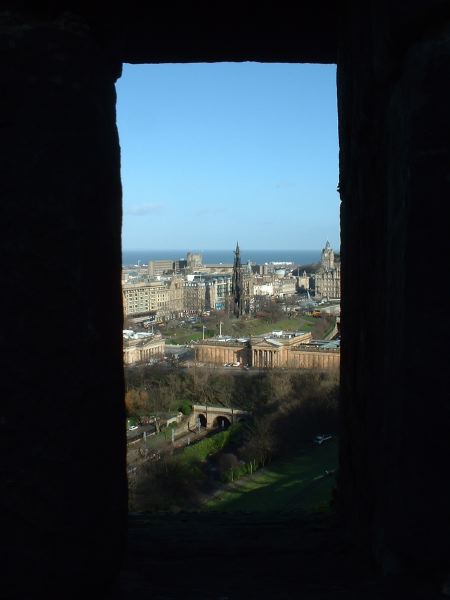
(393, 96)
(62, 421)
(238, 30)
(64, 503)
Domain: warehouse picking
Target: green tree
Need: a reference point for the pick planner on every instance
(185, 407)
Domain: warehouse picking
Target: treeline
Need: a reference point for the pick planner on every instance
(152, 390)
(288, 410)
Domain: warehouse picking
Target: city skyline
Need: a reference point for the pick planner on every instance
(214, 153)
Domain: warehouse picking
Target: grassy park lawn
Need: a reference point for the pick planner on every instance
(183, 336)
(242, 327)
(298, 484)
(260, 326)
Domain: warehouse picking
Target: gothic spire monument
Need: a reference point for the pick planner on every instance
(237, 287)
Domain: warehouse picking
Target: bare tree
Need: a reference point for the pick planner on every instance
(261, 445)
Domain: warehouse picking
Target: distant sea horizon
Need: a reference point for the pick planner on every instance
(297, 257)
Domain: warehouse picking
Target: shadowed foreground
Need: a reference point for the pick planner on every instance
(226, 556)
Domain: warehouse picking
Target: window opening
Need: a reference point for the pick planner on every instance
(231, 284)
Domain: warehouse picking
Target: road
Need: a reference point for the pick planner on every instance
(135, 434)
(138, 453)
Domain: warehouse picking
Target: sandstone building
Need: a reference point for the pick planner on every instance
(195, 299)
(303, 281)
(194, 261)
(223, 350)
(160, 266)
(328, 277)
(278, 349)
(147, 297)
(273, 350)
(139, 350)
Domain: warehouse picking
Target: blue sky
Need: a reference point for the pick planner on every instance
(214, 153)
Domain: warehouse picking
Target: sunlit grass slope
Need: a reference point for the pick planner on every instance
(298, 484)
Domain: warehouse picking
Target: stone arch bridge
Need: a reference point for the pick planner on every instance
(215, 416)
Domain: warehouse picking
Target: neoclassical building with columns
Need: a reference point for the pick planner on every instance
(138, 350)
(278, 349)
(222, 350)
(272, 350)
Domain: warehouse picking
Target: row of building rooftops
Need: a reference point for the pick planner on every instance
(300, 339)
(276, 338)
(292, 340)
(280, 335)
(193, 265)
(129, 334)
(320, 345)
(196, 277)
